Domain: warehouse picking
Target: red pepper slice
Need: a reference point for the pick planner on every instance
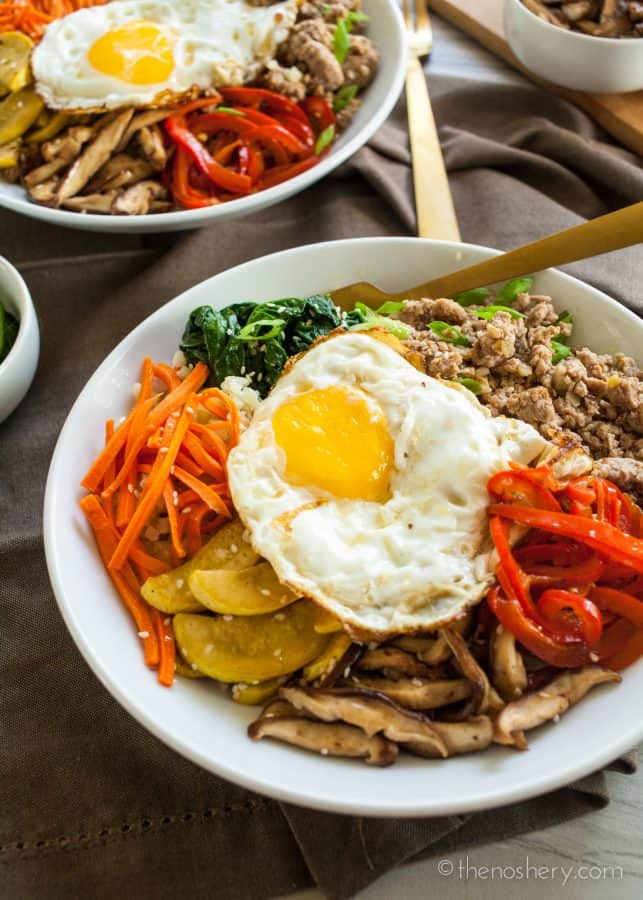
(209, 123)
(552, 606)
(541, 475)
(600, 536)
(192, 105)
(515, 575)
(517, 487)
(572, 564)
(178, 130)
(280, 135)
(319, 112)
(630, 652)
(279, 174)
(188, 196)
(511, 615)
(620, 602)
(260, 98)
(581, 490)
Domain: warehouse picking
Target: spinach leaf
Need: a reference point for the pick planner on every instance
(9, 327)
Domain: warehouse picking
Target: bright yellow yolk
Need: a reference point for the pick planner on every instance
(138, 53)
(334, 441)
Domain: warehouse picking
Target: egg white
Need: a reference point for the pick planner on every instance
(217, 42)
(420, 558)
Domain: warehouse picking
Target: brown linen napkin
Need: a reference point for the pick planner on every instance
(90, 804)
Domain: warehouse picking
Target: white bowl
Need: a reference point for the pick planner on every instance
(571, 59)
(19, 366)
(194, 717)
(387, 30)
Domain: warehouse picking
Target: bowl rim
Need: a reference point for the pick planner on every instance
(193, 218)
(593, 38)
(26, 314)
(539, 784)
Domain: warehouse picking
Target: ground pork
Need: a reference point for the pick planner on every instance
(594, 397)
(310, 47)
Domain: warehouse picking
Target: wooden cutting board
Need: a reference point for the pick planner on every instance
(620, 114)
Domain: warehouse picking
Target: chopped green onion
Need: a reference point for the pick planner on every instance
(471, 384)
(344, 96)
(474, 297)
(354, 18)
(489, 312)
(324, 139)
(252, 331)
(510, 291)
(449, 333)
(372, 319)
(341, 41)
(565, 318)
(390, 307)
(559, 352)
(229, 110)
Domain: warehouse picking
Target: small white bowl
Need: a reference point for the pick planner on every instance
(19, 366)
(386, 28)
(571, 59)
(197, 719)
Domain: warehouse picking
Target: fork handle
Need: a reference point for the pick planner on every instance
(433, 201)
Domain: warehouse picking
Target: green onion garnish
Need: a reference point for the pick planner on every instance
(510, 291)
(449, 333)
(471, 384)
(489, 312)
(474, 297)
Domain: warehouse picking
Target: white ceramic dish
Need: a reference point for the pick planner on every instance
(19, 367)
(194, 717)
(571, 59)
(387, 30)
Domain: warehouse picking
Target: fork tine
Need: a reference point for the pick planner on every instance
(407, 15)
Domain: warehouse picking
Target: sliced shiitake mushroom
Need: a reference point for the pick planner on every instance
(419, 693)
(469, 736)
(508, 671)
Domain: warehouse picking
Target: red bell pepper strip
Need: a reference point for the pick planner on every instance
(511, 615)
(630, 652)
(620, 602)
(547, 563)
(552, 605)
(188, 196)
(178, 130)
(319, 112)
(280, 135)
(260, 98)
(279, 174)
(517, 487)
(600, 536)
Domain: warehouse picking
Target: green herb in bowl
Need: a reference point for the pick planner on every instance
(9, 326)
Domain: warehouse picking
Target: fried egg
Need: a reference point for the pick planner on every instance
(363, 482)
(146, 53)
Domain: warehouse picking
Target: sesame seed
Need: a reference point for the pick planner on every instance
(227, 618)
(347, 671)
(277, 652)
(233, 548)
(208, 648)
(167, 637)
(189, 410)
(265, 591)
(186, 510)
(556, 718)
(167, 620)
(164, 450)
(324, 751)
(594, 657)
(130, 488)
(143, 634)
(280, 617)
(193, 666)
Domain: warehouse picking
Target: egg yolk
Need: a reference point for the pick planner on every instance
(138, 53)
(334, 440)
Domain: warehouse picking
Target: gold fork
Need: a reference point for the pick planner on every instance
(433, 201)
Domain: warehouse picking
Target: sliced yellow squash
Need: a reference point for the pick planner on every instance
(54, 123)
(328, 658)
(15, 52)
(9, 154)
(226, 549)
(18, 112)
(249, 592)
(326, 622)
(256, 694)
(250, 648)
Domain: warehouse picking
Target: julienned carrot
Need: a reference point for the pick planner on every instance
(176, 398)
(160, 460)
(173, 518)
(167, 648)
(202, 490)
(125, 581)
(153, 490)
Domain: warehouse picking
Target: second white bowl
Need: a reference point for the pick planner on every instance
(571, 59)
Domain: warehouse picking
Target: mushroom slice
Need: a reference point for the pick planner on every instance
(484, 697)
(45, 191)
(418, 693)
(369, 711)
(76, 135)
(150, 143)
(459, 737)
(508, 671)
(329, 739)
(551, 701)
(120, 170)
(343, 666)
(91, 203)
(141, 120)
(394, 662)
(95, 154)
(136, 200)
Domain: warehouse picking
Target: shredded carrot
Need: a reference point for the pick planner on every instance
(158, 488)
(125, 582)
(32, 16)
